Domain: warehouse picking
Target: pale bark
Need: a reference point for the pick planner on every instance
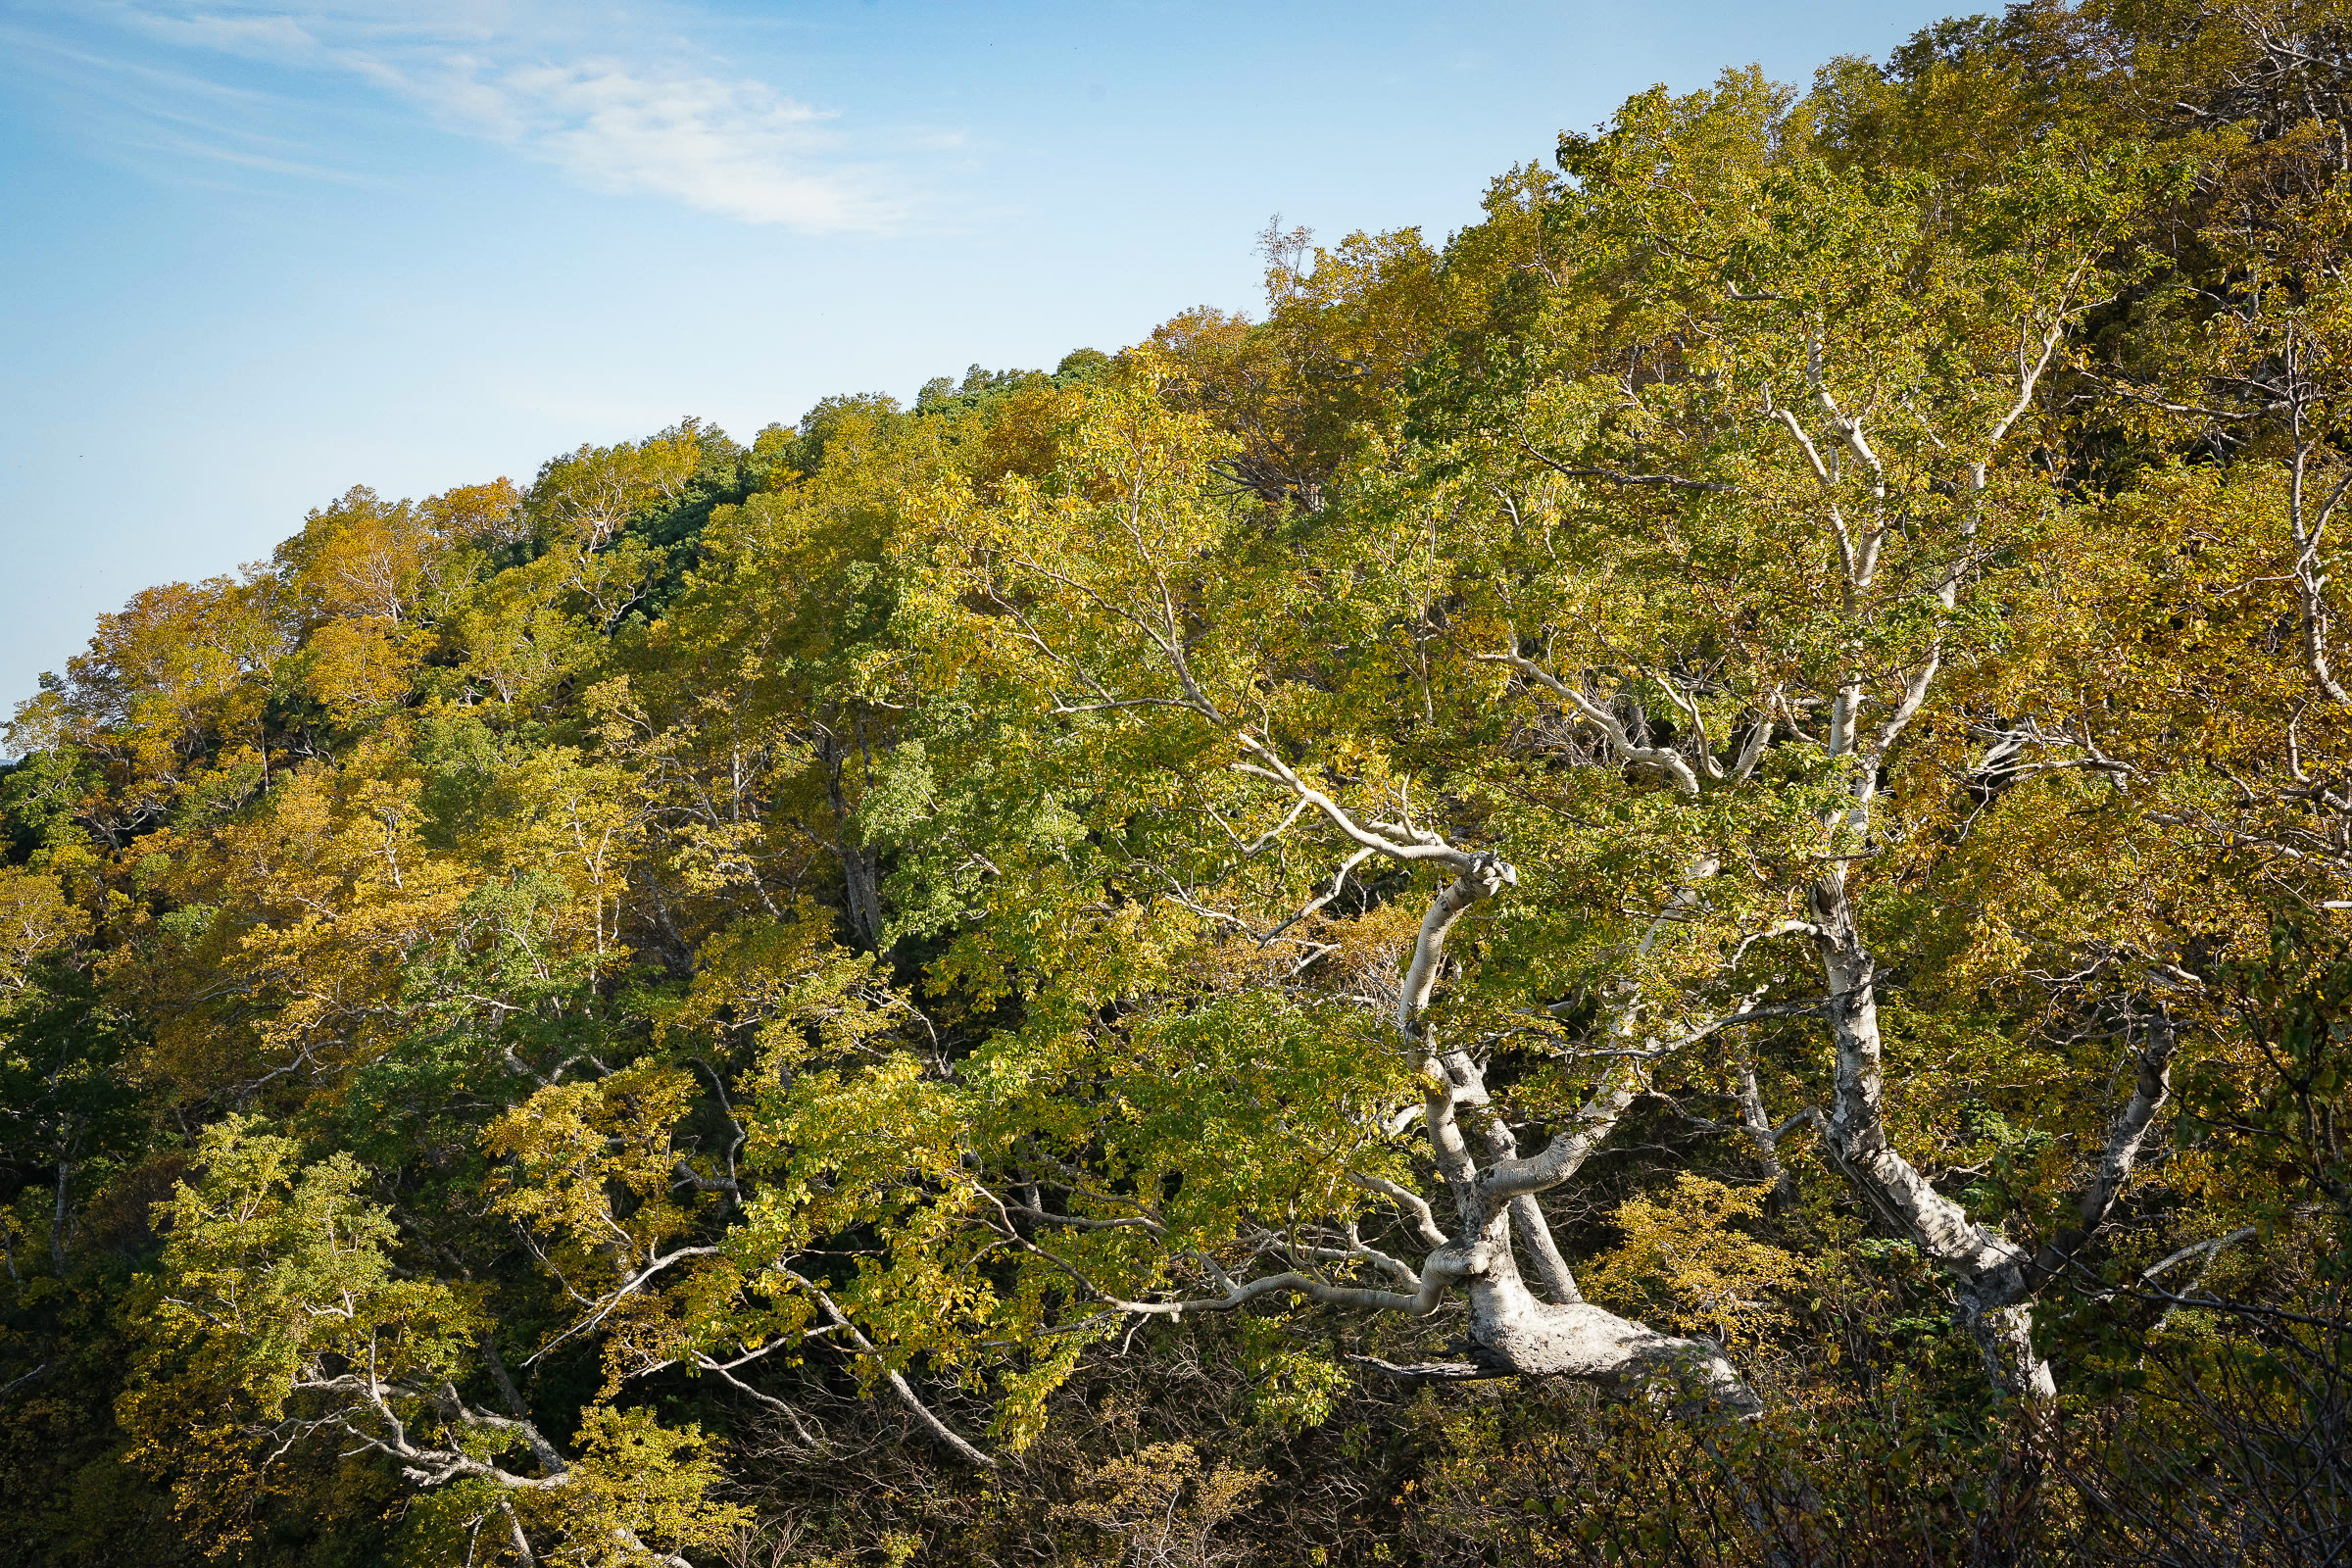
(1492, 1188)
(1991, 1285)
(1992, 1276)
(860, 868)
(897, 1380)
(2127, 1141)
(1766, 1138)
(366, 1409)
(515, 1532)
(58, 1215)
(2308, 520)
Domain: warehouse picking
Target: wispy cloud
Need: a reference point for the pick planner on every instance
(735, 147)
(650, 118)
(160, 114)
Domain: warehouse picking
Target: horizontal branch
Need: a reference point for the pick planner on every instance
(2192, 1249)
(1424, 845)
(1433, 1371)
(1622, 745)
(1658, 481)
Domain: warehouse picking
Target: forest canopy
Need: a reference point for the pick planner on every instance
(1667, 883)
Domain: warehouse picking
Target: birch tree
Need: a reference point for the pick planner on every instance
(1750, 514)
(1832, 402)
(1323, 889)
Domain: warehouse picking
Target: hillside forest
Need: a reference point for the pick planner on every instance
(1670, 884)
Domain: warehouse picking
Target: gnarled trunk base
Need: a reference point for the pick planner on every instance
(1510, 1330)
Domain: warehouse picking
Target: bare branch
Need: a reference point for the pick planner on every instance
(1621, 743)
(898, 1382)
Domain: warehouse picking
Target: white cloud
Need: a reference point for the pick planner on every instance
(658, 120)
(731, 147)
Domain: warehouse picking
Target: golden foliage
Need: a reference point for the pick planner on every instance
(1688, 1263)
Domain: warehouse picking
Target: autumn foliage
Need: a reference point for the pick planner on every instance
(1667, 883)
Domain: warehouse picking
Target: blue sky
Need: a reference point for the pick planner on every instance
(254, 254)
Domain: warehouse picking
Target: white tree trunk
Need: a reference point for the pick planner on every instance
(1991, 1281)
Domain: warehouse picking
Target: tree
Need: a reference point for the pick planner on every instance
(1725, 797)
(281, 1315)
(1762, 474)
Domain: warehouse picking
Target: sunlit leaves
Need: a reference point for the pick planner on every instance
(35, 918)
